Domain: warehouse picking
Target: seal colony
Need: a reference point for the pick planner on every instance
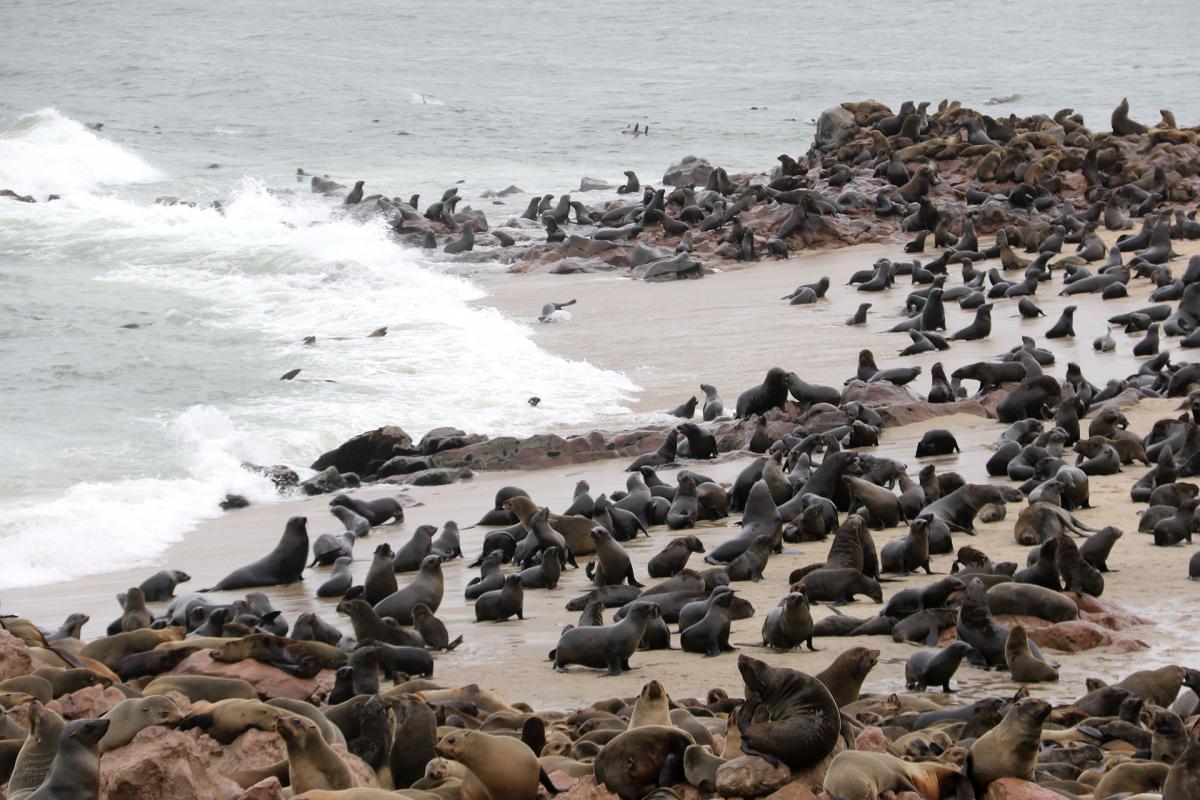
(993, 577)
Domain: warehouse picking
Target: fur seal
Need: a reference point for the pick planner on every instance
(282, 566)
(413, 552)
(772, 393)
(609, 646)
(710, 636)
(910, 552)
(75, 773)
(637, 761)
(613, 565)
(1022, 663)
(505, 765)
(432, 629)
(1010, 749)
(354, 523)
(844, 677)
(36, 756)
(937, 442)
(339, 581)
(1077, 574)
(500, 604)
(978, 628)
(788, 716)
(1096, 549)
(161, 585)
(381, 578)
(544, 575)
(428, 588)
(789, 624)
(312, 763)
(672, 559)
(377, 512)
(368, 624)
(861, 775)
(929, 667)
(713, 407)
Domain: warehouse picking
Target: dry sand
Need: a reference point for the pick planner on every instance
(726, 329)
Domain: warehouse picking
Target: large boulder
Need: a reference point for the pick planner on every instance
(835, 127)
(593, 185)
(1079, 635)
(270, 789)
(160, 763)
(440, 439)
(365, 452)
(15, 659)
(689, 171)
(87, 703)
(326, 481)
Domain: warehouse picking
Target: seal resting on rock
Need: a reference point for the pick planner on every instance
(788, 716)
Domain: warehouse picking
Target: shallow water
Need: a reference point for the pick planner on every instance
(122, 438)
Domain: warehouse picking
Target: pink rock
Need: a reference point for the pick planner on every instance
(585, 789)
(1017, 789)
(270, 789)
(1078, 635)
(793, 791)
(1106, 612)
(366, 777)
(15, 659)
(750, 776)
(268, 681)
(254, 749)
(87, 703)
(165, 763)
(872, 740)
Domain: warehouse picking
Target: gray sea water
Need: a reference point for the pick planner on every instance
(117, 440)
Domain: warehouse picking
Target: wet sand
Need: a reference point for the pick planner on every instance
(726, 329)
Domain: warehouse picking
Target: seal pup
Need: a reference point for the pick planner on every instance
(282, 566)
(713, 407)
(500, 604)
(672, 559)
(710, 636)
(613, 565)
(339, 582)
(1024, 666)
(605, 647)
(859, 317)
(160, 586)
(930, 667)
(789, 624)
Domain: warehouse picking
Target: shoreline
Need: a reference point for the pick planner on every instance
(509, 658)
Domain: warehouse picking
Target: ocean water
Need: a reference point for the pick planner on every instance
(118, 439)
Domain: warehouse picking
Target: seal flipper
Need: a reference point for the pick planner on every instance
(544, 779)
(459, 641)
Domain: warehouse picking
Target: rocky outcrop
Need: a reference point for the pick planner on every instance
(835, 127)
(161, 763)
(15, 659)
(688, 171)
(366, 452)
(751, 776)
(1079, 635)
(326, 481)
(92, 701)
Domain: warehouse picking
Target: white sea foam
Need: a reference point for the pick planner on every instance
(243, 287)
(48, 153)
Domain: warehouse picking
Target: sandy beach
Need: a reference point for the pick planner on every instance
(726, 329)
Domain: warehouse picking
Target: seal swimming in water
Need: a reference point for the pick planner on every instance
(283, 565)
